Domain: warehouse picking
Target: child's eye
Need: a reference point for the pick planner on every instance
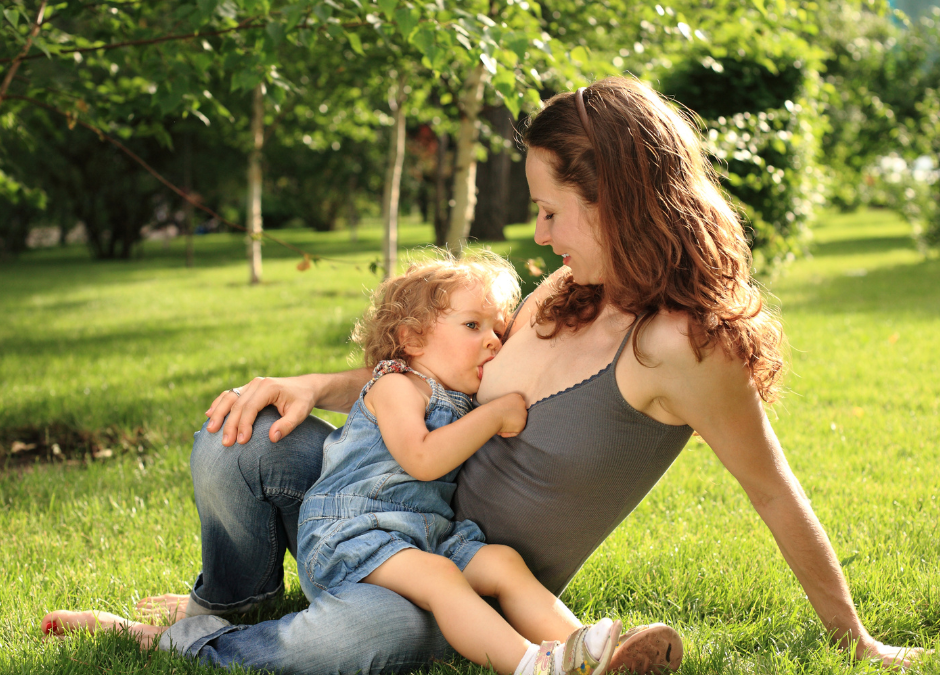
(472, 325)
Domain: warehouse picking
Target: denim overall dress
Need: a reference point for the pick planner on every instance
(364, 508)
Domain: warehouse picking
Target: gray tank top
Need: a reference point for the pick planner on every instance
(584, 461)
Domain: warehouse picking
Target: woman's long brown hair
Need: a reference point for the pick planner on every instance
(671, 239)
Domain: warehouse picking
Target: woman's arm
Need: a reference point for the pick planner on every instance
(716, 398)
(294, 398)
(427, 455)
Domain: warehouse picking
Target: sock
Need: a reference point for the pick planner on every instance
(596, 638)
(527, 664)
(595, 641)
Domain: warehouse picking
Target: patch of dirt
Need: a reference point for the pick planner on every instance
(61, 443)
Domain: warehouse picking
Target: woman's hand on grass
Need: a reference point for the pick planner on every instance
(888, 656)
(294, 398)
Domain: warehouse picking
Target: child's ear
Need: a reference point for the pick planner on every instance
(410, 342)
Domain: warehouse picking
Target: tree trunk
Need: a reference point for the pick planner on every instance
(392, 192)
(518, 202)
(465, 175)
(493, 177)
(352, 213)
(254, 186)
(441, 191)
(187, 206)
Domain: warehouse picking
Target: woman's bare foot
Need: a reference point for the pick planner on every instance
(61, 622)
(168, 607)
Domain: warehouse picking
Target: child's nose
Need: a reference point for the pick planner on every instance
(493, 342)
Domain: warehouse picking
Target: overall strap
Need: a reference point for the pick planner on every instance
(459, 401)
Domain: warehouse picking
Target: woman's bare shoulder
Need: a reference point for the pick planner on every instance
(665, 341)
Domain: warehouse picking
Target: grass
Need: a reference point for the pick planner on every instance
(141, 347)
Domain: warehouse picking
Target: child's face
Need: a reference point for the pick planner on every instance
(461, 341)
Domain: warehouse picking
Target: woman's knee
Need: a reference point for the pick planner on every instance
(214, 465)
(269, 470)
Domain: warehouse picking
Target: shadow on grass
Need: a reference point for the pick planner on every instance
(863, 246)
(909, 289)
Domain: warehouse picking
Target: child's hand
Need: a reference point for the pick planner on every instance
(513, 413)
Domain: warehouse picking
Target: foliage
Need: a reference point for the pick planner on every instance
(763, 125)
(882, 80)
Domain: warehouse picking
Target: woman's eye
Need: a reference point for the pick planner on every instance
(549, 216)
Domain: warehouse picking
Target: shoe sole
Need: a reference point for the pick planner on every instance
(655, 650)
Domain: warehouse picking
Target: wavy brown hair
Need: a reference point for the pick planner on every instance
(671, 239)
(414, 300)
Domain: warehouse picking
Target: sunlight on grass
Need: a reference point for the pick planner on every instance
(147, 344)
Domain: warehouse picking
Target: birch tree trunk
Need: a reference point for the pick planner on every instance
(392, 192)
(441, 193)
(465, 173)
(254, 186)
(187, 206)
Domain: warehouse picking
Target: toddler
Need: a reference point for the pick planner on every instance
(380, 512)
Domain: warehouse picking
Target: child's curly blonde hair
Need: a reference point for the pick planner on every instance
(416, 299)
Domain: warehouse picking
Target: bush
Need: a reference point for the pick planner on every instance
(763, 127)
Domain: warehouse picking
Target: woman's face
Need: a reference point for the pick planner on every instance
(564, 222)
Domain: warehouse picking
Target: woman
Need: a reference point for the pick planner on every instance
(652, 329)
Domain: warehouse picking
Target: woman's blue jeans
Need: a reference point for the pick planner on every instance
(248, 497)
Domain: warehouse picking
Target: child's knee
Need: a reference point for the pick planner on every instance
(504, 557)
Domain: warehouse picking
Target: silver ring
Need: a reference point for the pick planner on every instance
(235, 391)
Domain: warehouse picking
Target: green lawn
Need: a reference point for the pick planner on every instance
(126, 356)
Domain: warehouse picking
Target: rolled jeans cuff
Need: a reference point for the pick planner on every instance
(199, 606)
(188, 636)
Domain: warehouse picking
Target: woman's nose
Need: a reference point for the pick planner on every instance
(541, 233)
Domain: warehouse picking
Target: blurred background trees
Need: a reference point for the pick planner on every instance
(804, 105)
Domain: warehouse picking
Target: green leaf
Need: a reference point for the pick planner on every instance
(323, 12)
(12, 15)
(579, 55)
(207, 7)
(760, 6)
(293, 14)
(512, 103)
(276, 30)
(532, 96)
(489, 63)
(277, 94)
(355, 43)
(423, 39)
(407, 19)
(518, 43)
(388, 8)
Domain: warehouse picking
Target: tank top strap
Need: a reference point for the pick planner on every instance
(626, 338)
(512, 319)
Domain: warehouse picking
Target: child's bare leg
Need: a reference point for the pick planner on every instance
(62, 621)
(470, 625)
(499, 572)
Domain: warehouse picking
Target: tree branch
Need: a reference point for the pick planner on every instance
(244, 25)
(73, 120)
(34, 31)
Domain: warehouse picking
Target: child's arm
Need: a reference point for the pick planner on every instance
(427, 455)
